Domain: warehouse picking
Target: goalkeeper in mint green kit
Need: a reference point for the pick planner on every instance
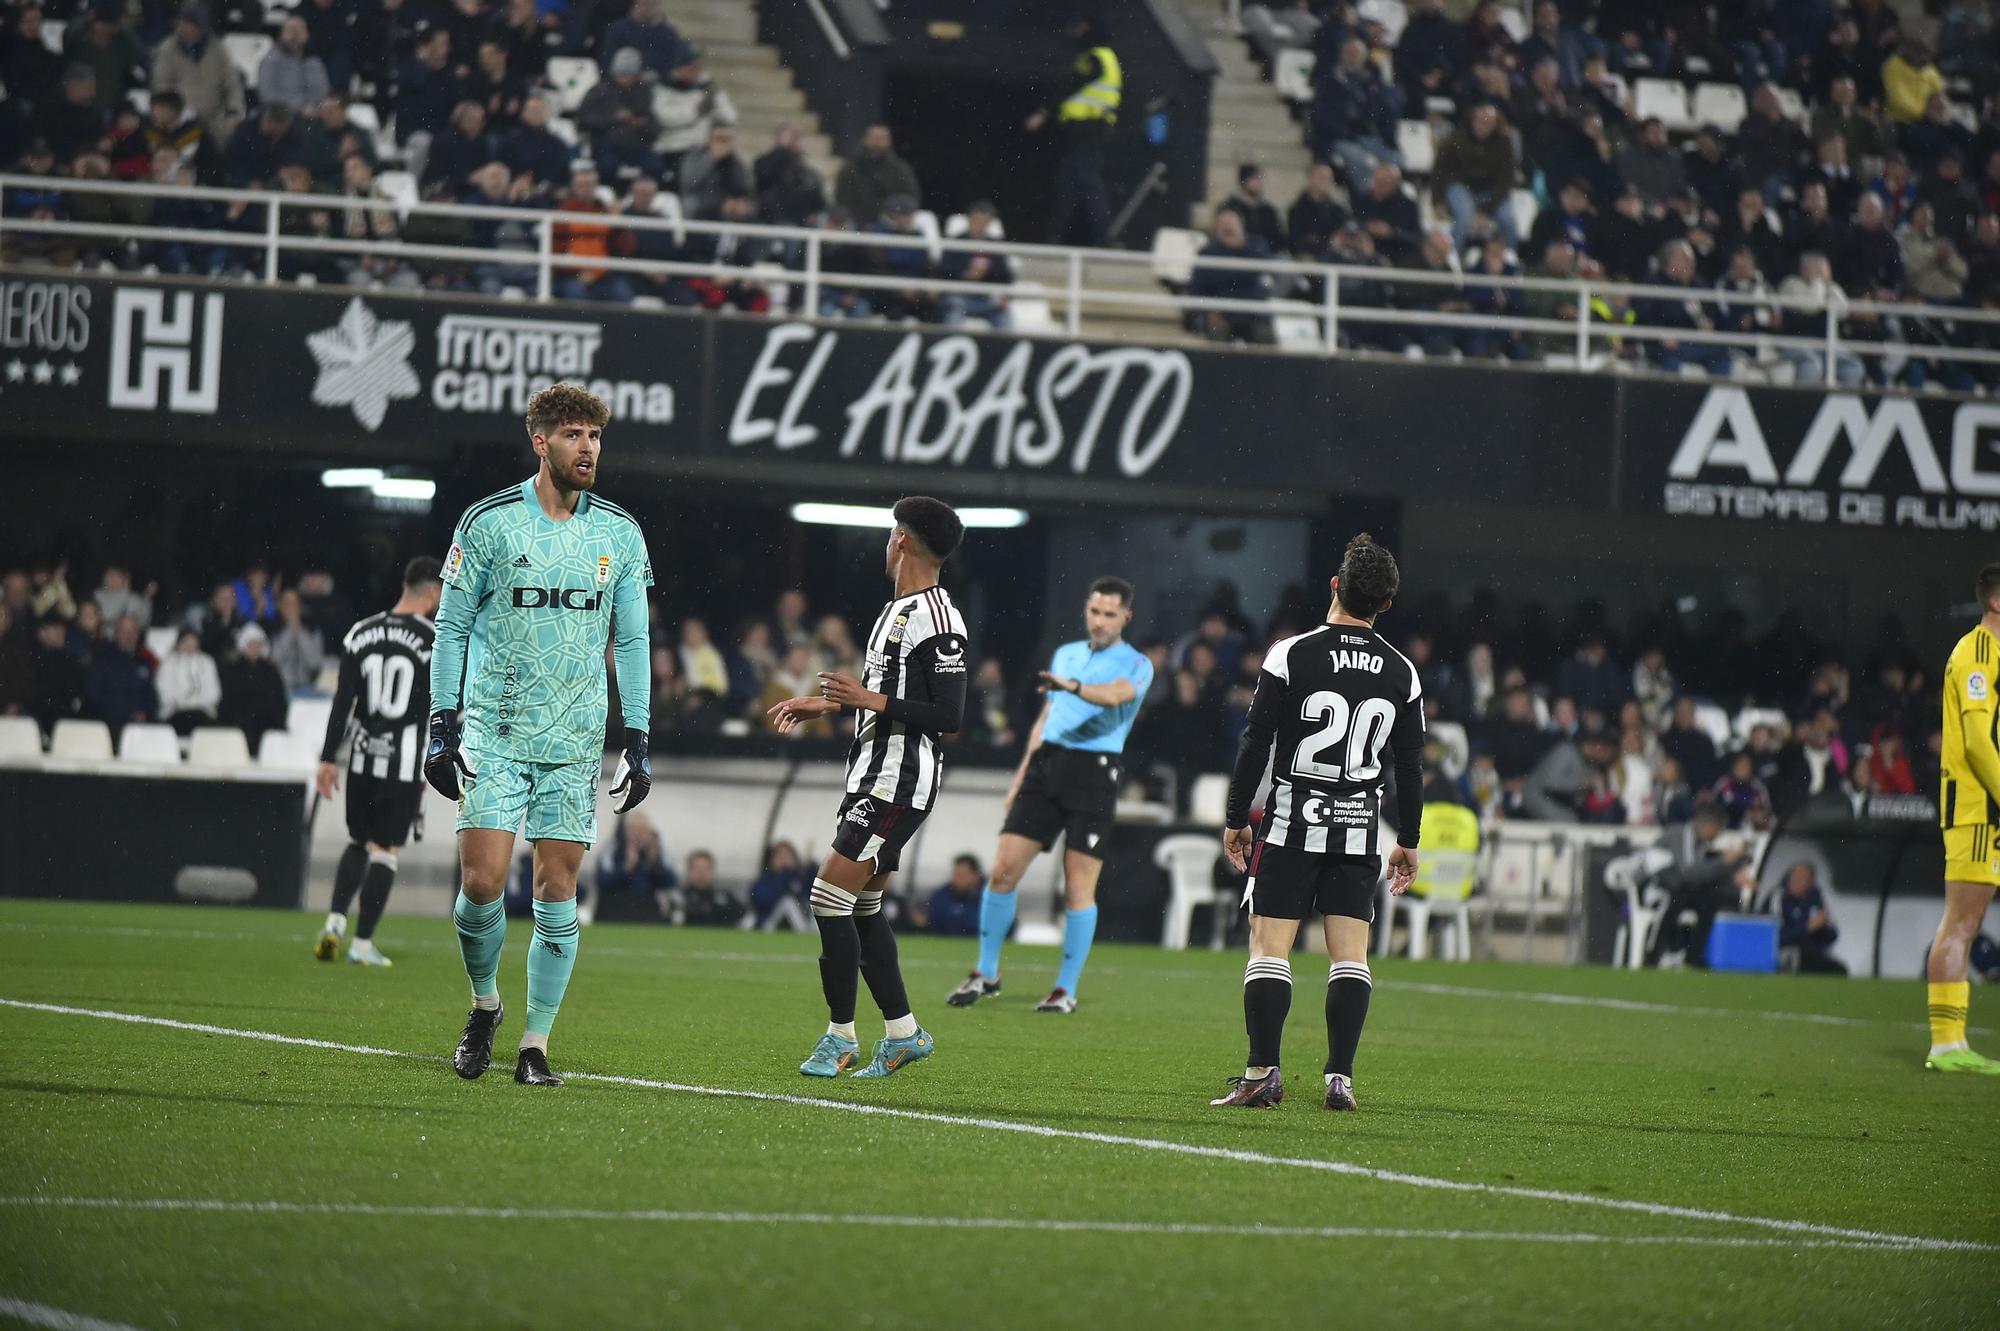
(536, 578)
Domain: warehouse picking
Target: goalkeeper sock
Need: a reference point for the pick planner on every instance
(1267, 997)
(347, 876)
(1949, 1003)
(482, 932)
(375, 885)
(996, 919)
(551, 958)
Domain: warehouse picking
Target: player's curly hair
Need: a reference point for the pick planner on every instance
(1989, 585)
(565, 404)
(931, 521)
(1368, 578)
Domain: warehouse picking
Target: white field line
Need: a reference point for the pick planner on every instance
(55, 1319)
(1796, 1227)
(785, 959)
(205, 1206)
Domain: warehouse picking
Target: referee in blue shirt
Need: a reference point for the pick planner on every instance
(1067, 786)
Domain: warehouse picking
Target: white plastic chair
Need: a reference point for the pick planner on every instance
(283, 749)
(1417, 141)
(1791, 103)
(1189, 860)
(1297, 332)
(144, 742)
(1292, 75)
(20, 741)
(1449, 873)
(1028, 303)
(565, 129)
(1208, 799)
(161, 641)
(1515, 23)
(927, 226)
(1628, 875)
(218, 746)
(1457, 746)
(52, 33)
(399, 188)
(81, 741)
(308, 717)
(1526, 208)
(1751, 717)
(1662, 99)
(571, 77)
(1721, 105)
(1393, 15)
(958, 225)
(246, 51)
(1174, 251)
(1715, 722)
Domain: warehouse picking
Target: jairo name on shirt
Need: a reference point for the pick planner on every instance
(1346, 660)
(557, 598)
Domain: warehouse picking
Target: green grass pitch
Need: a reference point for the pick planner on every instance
(361, 1189)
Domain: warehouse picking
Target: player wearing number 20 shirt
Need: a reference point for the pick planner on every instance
(1333, 702)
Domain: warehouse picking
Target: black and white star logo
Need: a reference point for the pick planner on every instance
(16, 371)
(71, 372)
(44, 372)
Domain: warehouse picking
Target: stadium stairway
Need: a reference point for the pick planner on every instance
(761, 87)
(1248, 120)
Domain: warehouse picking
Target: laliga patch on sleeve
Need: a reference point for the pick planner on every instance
(454, 560)
(1975, 687)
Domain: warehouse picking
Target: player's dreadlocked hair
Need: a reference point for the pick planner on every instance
(1368, 578)
(565, 404)
(931, 521)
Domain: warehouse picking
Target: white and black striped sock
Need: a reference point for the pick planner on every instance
(1267, 998)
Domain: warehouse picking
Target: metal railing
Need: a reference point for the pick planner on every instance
(1070, 279)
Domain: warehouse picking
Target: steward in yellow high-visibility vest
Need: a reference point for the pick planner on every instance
(1084, 119)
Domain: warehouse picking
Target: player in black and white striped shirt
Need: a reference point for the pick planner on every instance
(1332, 700)
(385, 692)
(912, 690)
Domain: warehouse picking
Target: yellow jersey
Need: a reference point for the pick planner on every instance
(1968, 691)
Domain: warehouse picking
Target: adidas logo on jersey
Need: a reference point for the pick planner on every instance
(523, 562)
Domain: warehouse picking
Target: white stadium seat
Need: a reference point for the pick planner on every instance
(1721, 105)
(927, 226)
(149, 743)
(247, 51)
(1028, 302)
(571, 76)
(1663, 99)
(1293, 75)
(20, 740)
(1208, 799)
(1516, 24)
(83, 741)
(308, 717)
(283, 748)
(1189, 860)
(1174, 250)
(161, 641)
(52, 33)
(400, 188)
(218, 746)
(1417, 141)
(1393, 15)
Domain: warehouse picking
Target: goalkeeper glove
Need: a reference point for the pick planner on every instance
(634, 777)
(443, 763)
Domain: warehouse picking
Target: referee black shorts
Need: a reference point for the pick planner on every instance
(1069, 793)
(1287, 883)
(380, 811)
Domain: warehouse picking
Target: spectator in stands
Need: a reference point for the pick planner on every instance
(289, 74)
(646, 32)
(703, 903)
(1871, 259)
(1885, 768)
(1427, 53)
(789, 191)
(989, 713)
(837, 301)
(118, 685)
(254, 699)
(1813, 227)
(328, 139)
(1689, 745)
(1570, 220)
(1186, 732)
(645, 200)
(1715, 176)
(529, 37)
(1315, 215)
(632, 870)
(687, 105)
(1487, 41)
(17, 594)
(1437, 258)
(457, 157)
(298, 650)
(1813, 763)
(74, 124)
(1388, 215)
(711, 172)
(1260, 216)
(189, 689)
(1677, 269)
(1935, 136)
(18, 688)
(383, 40)
(1741, 794)
(953, 910)
(254, 156)
(1650, 165)
(733, 251)
(330, 26)
(497, 88)
(1896, 188)
(257, 594)
(1354, 113)
(427, 88)
(192, 62)
(617, 115)
(1832, 171)
(534, 153)
(779, 893)
(29, 68)
(994, 269)
(906, 262)
(218, 620)
(794, 677)
(833, 646)
(99, 40)
(1475, 168)
(1494, 301)
(1806, 929)
(1952, 196)
(1937, 271)
(1564, 44)
(1770, 145)
(701, 660)
(58, 673)
(589, 240)
(116, 597)
(1228, 241)
(371, 218)
(872, 174)
(1754, 227)
(1707, 876)
(1910, 78)
(174, 256)
(1841, 115)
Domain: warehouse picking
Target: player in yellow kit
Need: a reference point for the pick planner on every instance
(1969, 809)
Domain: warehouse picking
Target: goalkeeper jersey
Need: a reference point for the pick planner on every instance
(528, 608)
(1968, 692)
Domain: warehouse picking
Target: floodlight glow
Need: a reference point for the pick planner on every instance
(350, 478)
(865, 515)
(403, 487)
